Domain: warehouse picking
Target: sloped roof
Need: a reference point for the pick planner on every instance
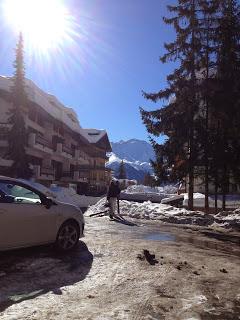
(93, 135)
(97, 137)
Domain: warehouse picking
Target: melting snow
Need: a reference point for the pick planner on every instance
(166, 213)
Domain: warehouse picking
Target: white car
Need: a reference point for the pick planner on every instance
(29, 218)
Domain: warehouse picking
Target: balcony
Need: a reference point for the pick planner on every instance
(4, 129)
(5, 162)
(81, 157)
(43, 173)
(81, 176)
(92, 167)
(39, 142)
(67, 176)
(74, 176)
(67, 150)
(3, 141)
(43, 142)
(49, 171)
(33, 124)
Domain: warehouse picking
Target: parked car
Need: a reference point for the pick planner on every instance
(28, 218)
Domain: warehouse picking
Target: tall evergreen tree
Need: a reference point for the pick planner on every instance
(176, 118)
(122, 171)
(203, 94)
(227, 96)
(220, 65)
(171, 160)
(208, 27)
(18, 134)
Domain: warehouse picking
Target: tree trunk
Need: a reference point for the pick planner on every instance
(224, 185)
(216, 191)
(191, 183)
(206, 154)
(191, 113)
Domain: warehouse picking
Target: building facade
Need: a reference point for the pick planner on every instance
(59, 150)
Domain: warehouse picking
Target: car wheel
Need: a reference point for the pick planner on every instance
(68, 236)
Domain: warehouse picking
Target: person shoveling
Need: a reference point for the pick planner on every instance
(113, 198)
(112, 201)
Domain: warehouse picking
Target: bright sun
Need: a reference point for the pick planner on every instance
(45, 24)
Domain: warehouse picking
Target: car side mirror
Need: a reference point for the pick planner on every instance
(48, 203)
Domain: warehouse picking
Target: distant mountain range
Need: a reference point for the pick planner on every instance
(136, 155)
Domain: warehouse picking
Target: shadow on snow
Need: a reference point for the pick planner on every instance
(122, 220)
(28, 273)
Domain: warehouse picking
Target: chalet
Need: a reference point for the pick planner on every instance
(59, 149)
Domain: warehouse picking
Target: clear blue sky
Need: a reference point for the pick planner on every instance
(101, 75)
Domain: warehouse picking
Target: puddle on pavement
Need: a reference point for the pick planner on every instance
(159, 236)
(203, 243)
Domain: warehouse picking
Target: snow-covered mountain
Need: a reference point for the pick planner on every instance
(133, 150)
(136, 155)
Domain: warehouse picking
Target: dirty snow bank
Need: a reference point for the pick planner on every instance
(167, 213)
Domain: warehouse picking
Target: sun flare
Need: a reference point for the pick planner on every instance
(45, 24)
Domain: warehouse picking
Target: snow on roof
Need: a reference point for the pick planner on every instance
(93, 135)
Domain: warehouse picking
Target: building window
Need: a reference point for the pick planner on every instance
(93, 133)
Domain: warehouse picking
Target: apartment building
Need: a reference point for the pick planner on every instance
(59, 149)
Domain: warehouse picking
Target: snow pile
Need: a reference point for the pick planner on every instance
(228, 219)
(172, 198)
(145, 193)
(170, 214)
(168, 189)
(232, 201)
(67, 195)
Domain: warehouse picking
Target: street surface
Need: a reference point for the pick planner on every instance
(193, 276)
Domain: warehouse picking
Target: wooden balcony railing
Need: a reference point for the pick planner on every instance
(68, 174)
(44, 142)
(4, 131)
(48, 171)
(68, 150)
